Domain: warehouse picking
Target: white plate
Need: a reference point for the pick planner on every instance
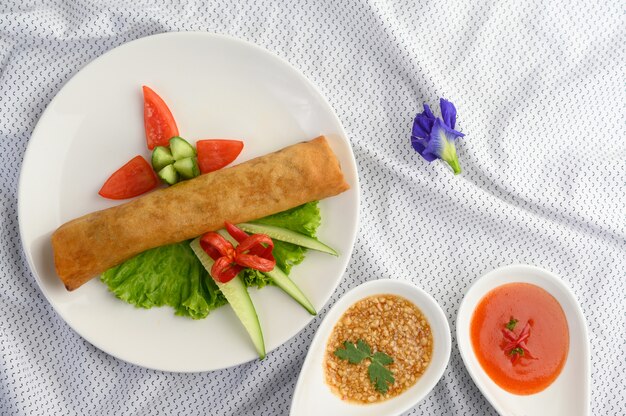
(569, 394)
(313, 396)
(215, 86)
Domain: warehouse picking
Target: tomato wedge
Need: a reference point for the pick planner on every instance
(132, 179)
(214, 154)
(158, 120)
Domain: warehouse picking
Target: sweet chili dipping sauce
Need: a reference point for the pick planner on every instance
(520, 336)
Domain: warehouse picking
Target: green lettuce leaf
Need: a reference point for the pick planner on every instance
(172, 275)
(169, 275)
(304, 219)
(255, 278)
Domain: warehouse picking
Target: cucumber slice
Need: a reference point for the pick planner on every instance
(181, 148)
(168, 175)
(289, 287)
(289, 236)
(281, 280)
(161, 157)
(237, 295)
(188, 167)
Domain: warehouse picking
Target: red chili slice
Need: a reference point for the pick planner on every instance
(254, 251)
(235, 232)
(256, 262)
(517, 341)
(266, 253)
(252, 241)
(210, 250)
(525, 331)
(218, 243)
(510, 346)
(224, 270)
(240, 235)
(247, 249)
(527, 352)
(508, 334)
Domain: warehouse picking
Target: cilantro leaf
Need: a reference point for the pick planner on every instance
(511, 324)
(380, 376)
(382, 358)
(362, 346)
(352, 353)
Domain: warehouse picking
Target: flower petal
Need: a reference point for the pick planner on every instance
(451, 133)
(448, 112)
(423, 123)
(420, 145)
(437, 138)
(427, 111)
(441, 144)
(429, 156)
(422, 126)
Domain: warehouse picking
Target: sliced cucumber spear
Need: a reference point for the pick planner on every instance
(161, 157)
(289, 236)
(181, 148)
(286, 284)
(237, 295)
(281, 280)
(169, 175)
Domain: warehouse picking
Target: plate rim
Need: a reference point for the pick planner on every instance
(209, 35)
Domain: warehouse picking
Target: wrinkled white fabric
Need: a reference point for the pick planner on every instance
(540, 92)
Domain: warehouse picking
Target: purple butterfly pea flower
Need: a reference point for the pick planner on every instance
(434, 138)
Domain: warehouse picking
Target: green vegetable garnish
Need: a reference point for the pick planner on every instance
(181, 148)
(354, 353)
(511, 325)
(176, 162)
(304, 219)
(172, 275)
(518, 351)
(161, 157)
(379, 375)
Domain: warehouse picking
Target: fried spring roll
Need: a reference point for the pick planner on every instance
(89, 245)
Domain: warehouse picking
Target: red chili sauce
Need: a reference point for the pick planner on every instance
(520, 336)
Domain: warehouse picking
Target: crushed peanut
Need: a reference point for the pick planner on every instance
(388, 323)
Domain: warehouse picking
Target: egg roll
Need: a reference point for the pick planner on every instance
(87, 246)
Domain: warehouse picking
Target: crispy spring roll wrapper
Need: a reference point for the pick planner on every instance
(89, 245)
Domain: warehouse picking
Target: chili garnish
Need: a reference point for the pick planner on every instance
(254, 251)
(515, 345)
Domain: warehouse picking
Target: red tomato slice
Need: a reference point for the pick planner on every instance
(158, 120)
(214, 154)
(132, 179)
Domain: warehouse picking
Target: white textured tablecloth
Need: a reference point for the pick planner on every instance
(540, 89)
